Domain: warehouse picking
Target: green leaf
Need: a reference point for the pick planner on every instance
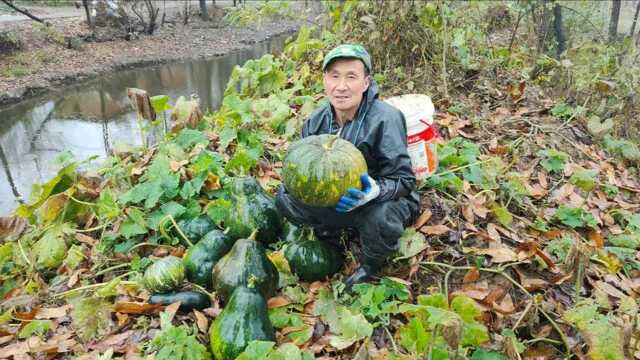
(411, 244)
(631, 241)
(575, 217)
(175, 342)
(414, 337)
(160, 103)
(503, 215)
(598, 128)
(35, 327)
(487, 355)
(51, 249)
(554, 161)
(74, 256)
(466, 308)
(217, 210)
(510, 335)
(107, 207)
(562, 110)
(584, 179)
(257, 350)
(353, 327)
(301, 336)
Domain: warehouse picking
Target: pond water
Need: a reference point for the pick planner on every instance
(90, 118)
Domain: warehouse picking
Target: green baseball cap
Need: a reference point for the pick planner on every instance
(348, 51)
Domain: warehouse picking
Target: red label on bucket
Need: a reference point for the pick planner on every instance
(428, 134)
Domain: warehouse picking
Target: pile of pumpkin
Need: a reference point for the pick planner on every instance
(235, 265)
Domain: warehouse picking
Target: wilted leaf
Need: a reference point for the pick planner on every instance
(498, 255)
(141, 104)
(434, 229)
(51, 249)
(584, 179)
(35, 327)
(353, 327)
(128, 307)
(91, 317)
(411, 244)
(11, 227)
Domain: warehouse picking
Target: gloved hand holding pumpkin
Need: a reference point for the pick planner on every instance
(355, 198)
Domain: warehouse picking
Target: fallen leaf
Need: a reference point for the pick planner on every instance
(123, 319)
(137, 308)
(498, 255)
(177, 165)
(423, 218)
(172, 310)
(467, 212)
(493, 232)
(596, 237)
(471, 276)
(11, 227)
(434, 229)
(86, 239)
(201, 321)
(609, 289)
(213, 182)
(52, 313)
(278, 301)
(505, 306)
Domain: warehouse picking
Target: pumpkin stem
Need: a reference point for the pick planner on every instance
(329, 144)
(251, 282)
(253, 235)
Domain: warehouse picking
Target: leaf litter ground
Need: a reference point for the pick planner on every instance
(527, 245)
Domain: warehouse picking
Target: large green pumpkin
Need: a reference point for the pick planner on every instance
(244, 319)
(246, 262)
(319, 169)
(252, 209)
(312, 259)
(201, 257)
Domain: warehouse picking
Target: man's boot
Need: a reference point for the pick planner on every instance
(364, 273)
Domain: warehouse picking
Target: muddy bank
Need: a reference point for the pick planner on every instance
(45, 66)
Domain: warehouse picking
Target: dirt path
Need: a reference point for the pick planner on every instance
(45, 62)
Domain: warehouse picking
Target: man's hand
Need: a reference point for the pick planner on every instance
(355, 198)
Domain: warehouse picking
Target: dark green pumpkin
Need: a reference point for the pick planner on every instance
(244, 319)
(252, 209)
(201, 257)
(245, 261)
(319, 169)
(194, 229)
(311, 259)
(189, 300)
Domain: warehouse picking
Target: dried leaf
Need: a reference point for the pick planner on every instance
(434, 229)
(201, 321)
(471, 276)
(278, 301)
(498, 255)
(423, 218)
(52, 313)
(493, 232)
(11, 227)
(172, 309)
(137, 308)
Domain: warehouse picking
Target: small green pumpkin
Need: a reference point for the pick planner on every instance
(244, 319)
(252, 209)
(319, 169)
(164, 275)
(311, 259)
(201, 257)
(194, 229)
(245, 261)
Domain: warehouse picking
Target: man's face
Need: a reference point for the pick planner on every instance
(345, 81)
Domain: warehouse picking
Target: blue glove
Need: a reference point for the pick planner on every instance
(355, 198)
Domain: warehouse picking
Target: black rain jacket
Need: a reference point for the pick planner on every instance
(379, 131)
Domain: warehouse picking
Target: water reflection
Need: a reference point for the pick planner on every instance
(89, 118)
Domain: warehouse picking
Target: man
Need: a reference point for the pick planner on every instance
(388, 201)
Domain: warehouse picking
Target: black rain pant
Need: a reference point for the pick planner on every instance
(379, 224)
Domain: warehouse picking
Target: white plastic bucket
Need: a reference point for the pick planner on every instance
(418, 111)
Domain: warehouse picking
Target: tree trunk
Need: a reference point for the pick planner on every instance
(24, 12)
(543, 26)
(613, 21)
(635, 20)
(85, 4)
(204, 14)
(559, 30)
